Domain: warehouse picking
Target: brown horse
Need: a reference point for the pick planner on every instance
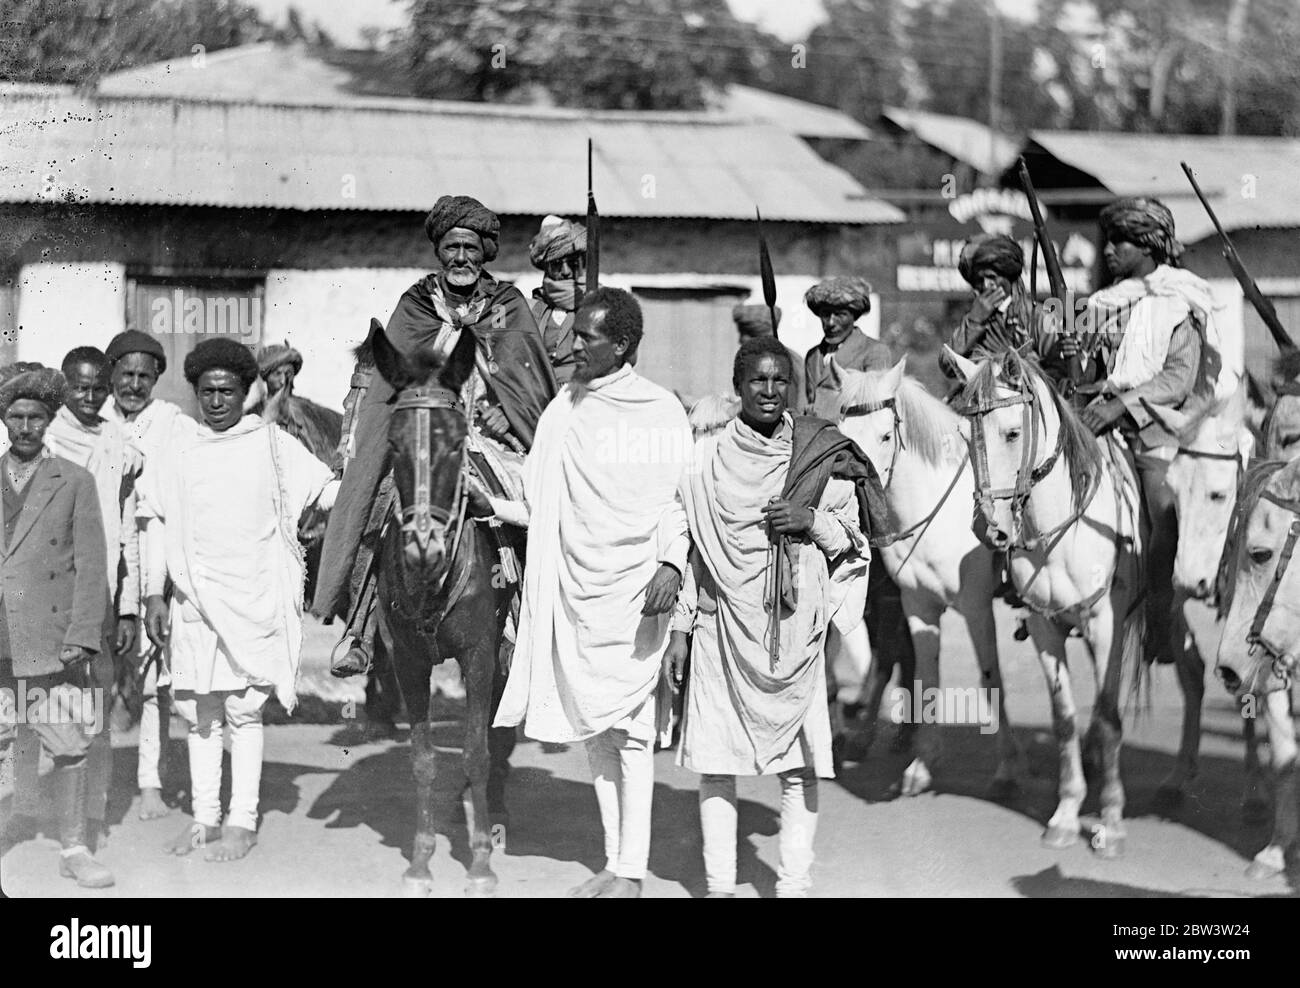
(440, 594)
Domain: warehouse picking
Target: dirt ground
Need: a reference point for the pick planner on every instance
(338, 814)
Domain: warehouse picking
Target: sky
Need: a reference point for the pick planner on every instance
(789, 20)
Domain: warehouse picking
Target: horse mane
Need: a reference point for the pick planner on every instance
(928, 424)
(712, 412)
(1200, 408)
(1260, 475)
(1078, 445)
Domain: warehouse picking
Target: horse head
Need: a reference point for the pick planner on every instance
(1261, 631)
(426, 439)
(1203, 479)
(870, 415)
(1013, 435)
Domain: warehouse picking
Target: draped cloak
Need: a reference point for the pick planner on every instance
(510, 349)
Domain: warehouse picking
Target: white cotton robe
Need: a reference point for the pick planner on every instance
(743, 716)
(226, 505)
(602, 472)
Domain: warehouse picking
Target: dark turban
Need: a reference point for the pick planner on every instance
(556, 239)
(990, 251)
(134, 341)
(1147, 223)
(275, 356)
(221, 353)
(467, 213)
(754, 320)
(33, 382)
(853, 294)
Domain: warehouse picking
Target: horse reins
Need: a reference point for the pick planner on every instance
(1283, 662)
(870, 408)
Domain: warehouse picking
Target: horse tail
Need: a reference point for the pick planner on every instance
(1135, 670)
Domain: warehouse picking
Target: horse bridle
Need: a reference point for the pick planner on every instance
(422, 519)
(1027, 475)
(1283, 662)
(870, 408)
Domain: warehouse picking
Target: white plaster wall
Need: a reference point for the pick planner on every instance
(61, 306)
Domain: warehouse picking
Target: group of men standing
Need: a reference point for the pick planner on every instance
(746, 549)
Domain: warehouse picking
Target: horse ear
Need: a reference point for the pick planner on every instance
(391, 365)
(894, 376)
(966, 368)
(1171, 419)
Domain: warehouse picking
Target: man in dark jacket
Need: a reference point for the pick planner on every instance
(54, 582)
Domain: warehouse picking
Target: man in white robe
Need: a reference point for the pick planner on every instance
(594, 618)
(136, 360)
(222, 512)
(752, 710)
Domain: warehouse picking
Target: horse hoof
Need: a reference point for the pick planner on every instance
(1001, 790)
(1268, 863)
(1255, 810)
(1059, 838)
(416, 888)
(481, 886)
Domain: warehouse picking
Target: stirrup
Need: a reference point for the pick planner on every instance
(356, 661)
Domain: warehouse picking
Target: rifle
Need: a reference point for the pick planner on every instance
(769, 298)
(1248, 287)
(593, 231)
(1055, 277)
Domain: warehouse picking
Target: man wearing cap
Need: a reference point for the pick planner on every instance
(1151, 339)
(136, 361)
(315, 426)
(756, 320)
(559, 252)
(53, 600)
(839, 303)
(1002, 316)
(78, 433)
(221, 512)
(511, 384)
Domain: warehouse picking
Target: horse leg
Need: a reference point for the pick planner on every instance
(1271, 861)
(412, 667)
(479, 669)
(1191, 681)
(1107, 640)
(1254, 799)
(1011, 757)
(923, 614)
(1049, 641)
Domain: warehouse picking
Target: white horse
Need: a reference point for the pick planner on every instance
(1260, 646)
(917, 446)
(1065, 508)
(1214, 448)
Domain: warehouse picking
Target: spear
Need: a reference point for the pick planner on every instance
(769, 298)
(593, 231)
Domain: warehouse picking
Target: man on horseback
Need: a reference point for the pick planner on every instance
(1149, 340)
(510, 385)
(839, 303)
(1002, 316)
(559, 252)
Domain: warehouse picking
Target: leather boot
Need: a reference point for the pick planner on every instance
(70, 807)
(356, 661)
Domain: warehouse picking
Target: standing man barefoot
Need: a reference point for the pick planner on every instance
(222, 516)
(594, 624)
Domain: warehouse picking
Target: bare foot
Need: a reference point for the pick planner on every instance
(593, 886)
(622, 888)
(151, 804)
(234, 844)
(194, 836)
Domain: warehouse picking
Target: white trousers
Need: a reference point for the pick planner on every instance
(798, 828)
(241, 711)
(623, 773)
(146, 773)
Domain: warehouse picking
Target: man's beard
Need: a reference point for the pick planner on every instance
(462, 276)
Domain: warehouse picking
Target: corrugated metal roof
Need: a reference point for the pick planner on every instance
(519, 161)
(1250, 181)
(964, 139)
(793, 115)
